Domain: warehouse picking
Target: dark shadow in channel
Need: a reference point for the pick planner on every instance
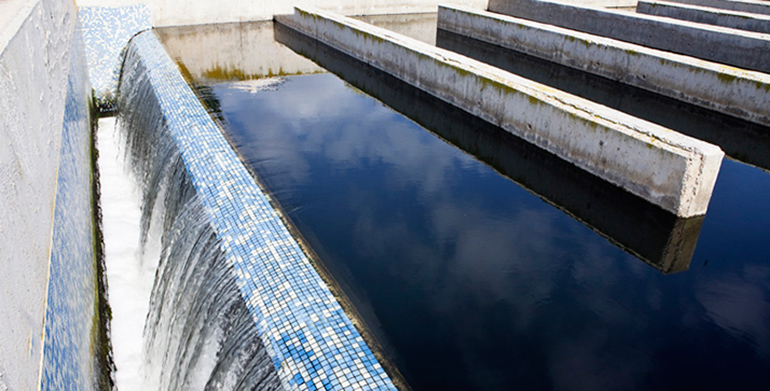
(655, 236)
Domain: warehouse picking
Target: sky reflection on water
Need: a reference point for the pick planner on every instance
(472, 282)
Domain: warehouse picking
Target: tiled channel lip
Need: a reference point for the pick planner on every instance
(311, 340)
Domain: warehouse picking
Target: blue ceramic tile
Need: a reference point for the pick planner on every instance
(312, 342)
(106, 32)
(72, 291)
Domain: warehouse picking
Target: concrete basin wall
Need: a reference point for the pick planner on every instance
(743, 94)
(222, 51)
(611, 145)
(739, 48)
(180, 12)
(731, 19)
(46, 215)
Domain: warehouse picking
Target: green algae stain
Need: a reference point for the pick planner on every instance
(223, 73)
(726, 77)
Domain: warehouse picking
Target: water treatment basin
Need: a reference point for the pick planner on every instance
(473, 259)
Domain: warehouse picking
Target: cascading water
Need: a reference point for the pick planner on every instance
(198, 333)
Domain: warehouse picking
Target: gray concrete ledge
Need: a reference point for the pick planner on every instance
(752, 6)
(739, 48)
(713, 16)
(743, 94)
(666, 168)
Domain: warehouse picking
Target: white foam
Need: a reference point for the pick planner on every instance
(258, 85)
(129, 274)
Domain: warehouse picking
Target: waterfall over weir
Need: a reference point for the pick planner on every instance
(236, 303)
(199, 333)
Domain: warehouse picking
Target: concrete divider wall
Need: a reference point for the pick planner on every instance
(34, 62)
(43, 130)
(609, 144)
(743, 94)
(743, 49)
(753, 6)
(713, 16)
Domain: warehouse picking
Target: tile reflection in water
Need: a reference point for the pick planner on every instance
(471, 281)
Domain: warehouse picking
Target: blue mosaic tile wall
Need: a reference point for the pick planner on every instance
(106, 31)
(312, 342)
(68, 351)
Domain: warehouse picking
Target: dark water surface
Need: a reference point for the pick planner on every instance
(481, 263)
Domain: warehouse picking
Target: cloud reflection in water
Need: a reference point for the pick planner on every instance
(474, 283)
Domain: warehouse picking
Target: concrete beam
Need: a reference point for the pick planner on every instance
(742, 49)
(746, 142)
(743, 94)
(666, 168)
(752, 6)
(713, 16)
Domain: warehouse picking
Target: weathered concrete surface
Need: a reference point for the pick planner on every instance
(743, 94)
(739, 48)
(225, 51)
(611, 145)
(421, 27)
(34, 63)
(752, 6)
(744, 141)
(182, 12)
(731, 19)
